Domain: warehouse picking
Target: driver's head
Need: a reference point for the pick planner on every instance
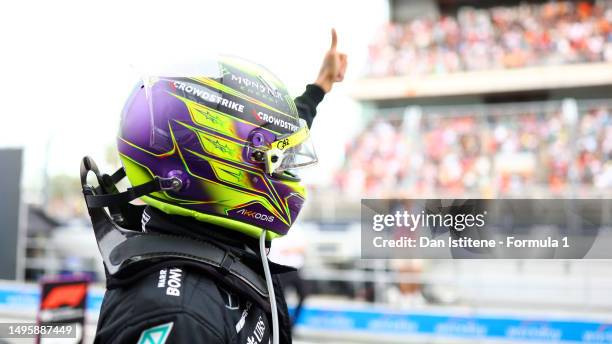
(232, 135)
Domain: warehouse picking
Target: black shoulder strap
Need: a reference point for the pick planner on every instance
(154, 247)
(123, 249)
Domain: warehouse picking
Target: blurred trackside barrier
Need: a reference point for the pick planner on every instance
(350, 323)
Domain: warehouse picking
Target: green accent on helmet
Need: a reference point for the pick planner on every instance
(230, 174)
(202, 129)
(222, 148)
(224, 88)
(209, 117)
(216, 120)
(138, 174)
(245, 228)
(230, 198)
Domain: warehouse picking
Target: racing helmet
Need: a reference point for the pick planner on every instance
(228, 136)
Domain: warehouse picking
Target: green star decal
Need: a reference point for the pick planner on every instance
(210, 117)
(223, 148)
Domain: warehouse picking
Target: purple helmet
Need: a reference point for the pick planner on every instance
(231, 134)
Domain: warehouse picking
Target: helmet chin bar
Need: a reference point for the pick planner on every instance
(125, 249)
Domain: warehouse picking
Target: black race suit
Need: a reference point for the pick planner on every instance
(173, 302)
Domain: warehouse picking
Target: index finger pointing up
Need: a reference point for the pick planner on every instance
(334, 40)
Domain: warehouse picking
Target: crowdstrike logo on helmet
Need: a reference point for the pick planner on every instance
(265, 117)
(208, 96)
(256, 215)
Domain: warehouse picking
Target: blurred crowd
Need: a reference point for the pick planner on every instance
(481, 154)
(497, 38)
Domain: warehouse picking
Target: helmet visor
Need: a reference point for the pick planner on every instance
(301, 155)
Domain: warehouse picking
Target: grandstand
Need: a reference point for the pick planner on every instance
(540, 149)
(485, 127)
(557, 48)
(500, 37)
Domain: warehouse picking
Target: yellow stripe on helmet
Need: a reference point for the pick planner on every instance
(292, 140)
